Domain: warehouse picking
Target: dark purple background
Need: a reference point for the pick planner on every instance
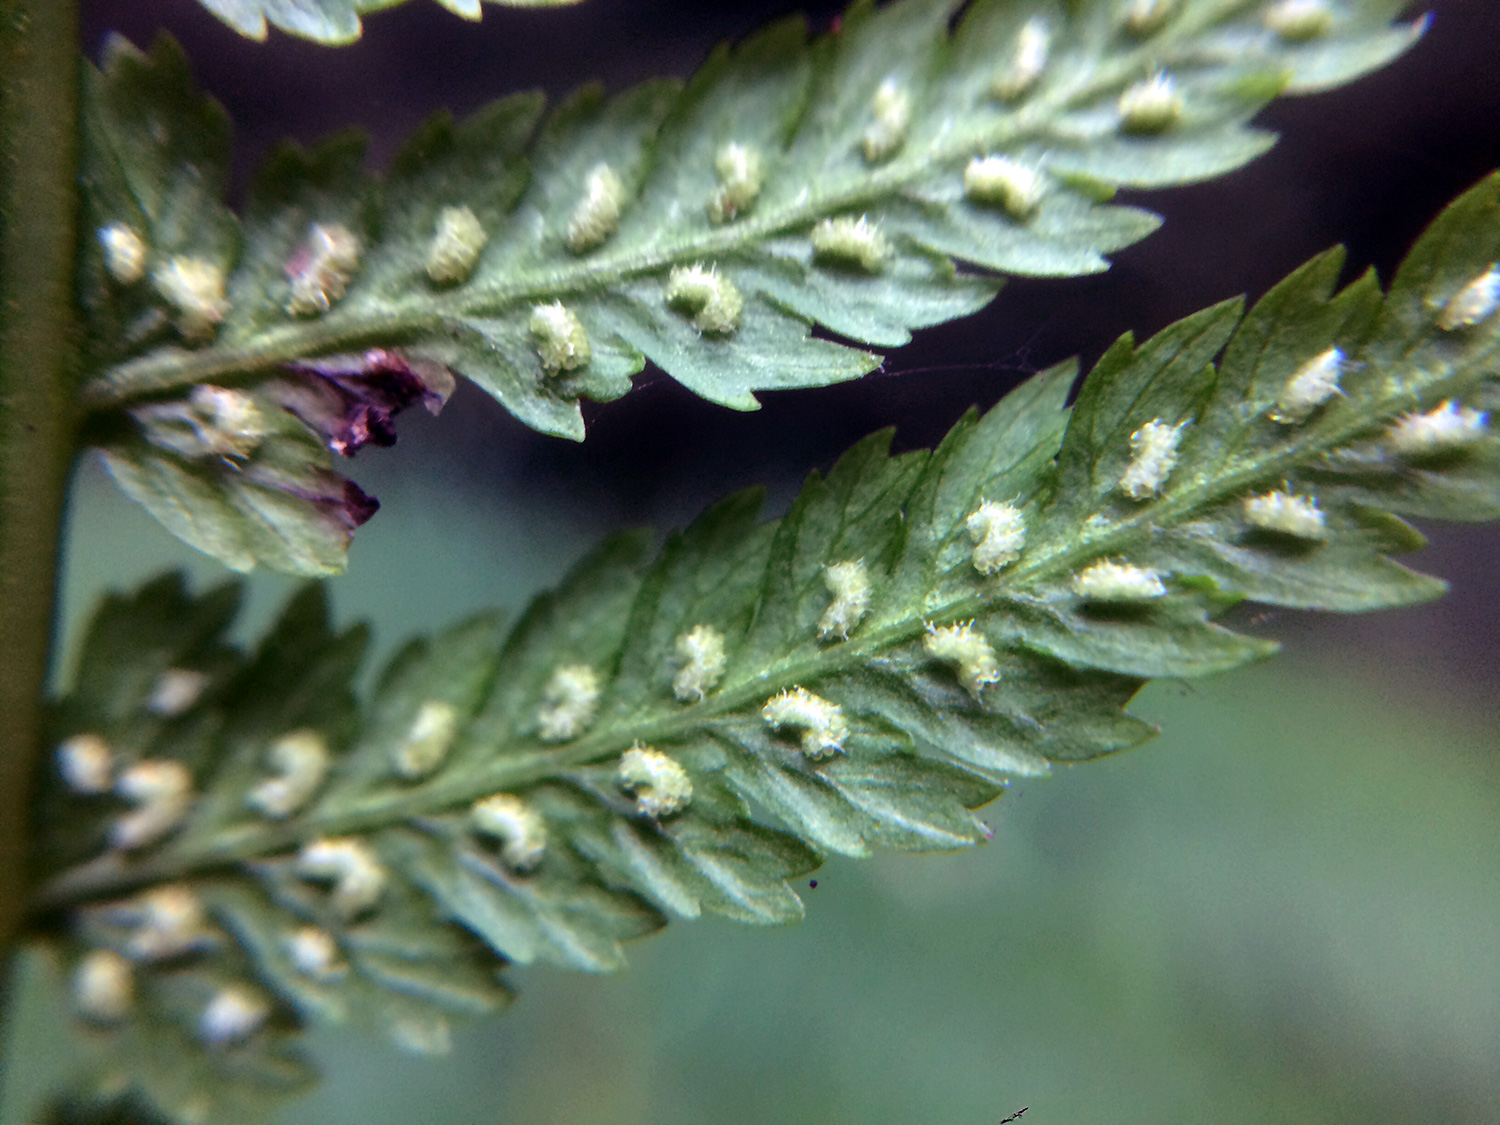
(1368, 165)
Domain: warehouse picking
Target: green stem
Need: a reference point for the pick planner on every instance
(38, 419)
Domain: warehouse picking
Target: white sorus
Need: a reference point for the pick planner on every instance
(570, 700)
(301, 758)
(848, 241)
(195, 288)
(124, 253)
(1146, 17)
(314, 953)
(1311, 385)
(822, 723)
(175, 691)
(1033, 44)
(320, 269)
(964, 647)
(597, 214)
(1441, 430)
(86, 764)
(562, 344)
(1150, 106)
(232, 1015)
(891, 110)
(427, 1036)
(455, 247)
(1475, 302)
(999, 532)
(428, 739)
(358, 878)
(1297, 20)
(700, 662)
(741, 175)
(1153, 456)
(162, 791)
(225, 421)
(521, 830)
(103, 986)
(708, 298)
(660, 786)
(849, 583)
(1108, 581)
(168, 922)
(1286, 514)
(997, 181)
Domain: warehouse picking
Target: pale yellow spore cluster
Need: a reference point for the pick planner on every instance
(301, 761)
(709, 299)
(562, 343)
(659, 784)
(1109, 581)
(1153, 456)
(521, 829)
(964, 647)
(741, 173)
(103, 986)
(890, 111)
(849, 583)
(596, 216)
(821, 722)
(1447, 427)
(125, 253)
(851, 243)
(314, 952)
(1312, 384)
(162, 791)
(86, 764)
(320, 270)
(1150, 106)
(349, 863)
(1284, 513)
(1297, 21)
(700, 659)
(428, 740)
(457, 241)
(1027, 64)
(1006, 184)
(194, 287)
(570, 700)
(232, 1015)
(1475, 303)
(998, 532)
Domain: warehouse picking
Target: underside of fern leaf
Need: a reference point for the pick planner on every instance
(866, 183)
(333, 21)
(235, 847)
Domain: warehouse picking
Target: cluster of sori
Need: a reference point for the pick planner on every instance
(1149, 105)
(162, 928)
(167, 923)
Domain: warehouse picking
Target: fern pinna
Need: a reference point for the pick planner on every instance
(709, 227)
(237, 847)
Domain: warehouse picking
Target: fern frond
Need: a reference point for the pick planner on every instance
(708, 228)
(333, 21)
(682, 734)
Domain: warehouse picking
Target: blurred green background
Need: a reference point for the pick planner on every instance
(1286, 909)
